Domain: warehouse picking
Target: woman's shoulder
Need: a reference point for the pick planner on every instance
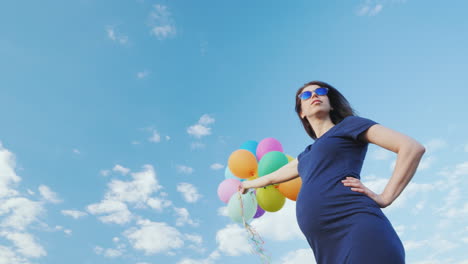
(353, 119)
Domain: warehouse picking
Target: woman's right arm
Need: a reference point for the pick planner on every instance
(283, 174)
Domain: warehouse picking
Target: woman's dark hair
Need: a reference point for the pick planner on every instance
(341, 107)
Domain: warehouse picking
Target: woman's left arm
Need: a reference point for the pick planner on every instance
(409, 153)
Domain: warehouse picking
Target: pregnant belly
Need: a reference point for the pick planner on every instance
(321, 208)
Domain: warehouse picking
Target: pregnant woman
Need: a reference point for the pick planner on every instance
(340, 217)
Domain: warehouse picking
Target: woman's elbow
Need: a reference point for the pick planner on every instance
(417, 148)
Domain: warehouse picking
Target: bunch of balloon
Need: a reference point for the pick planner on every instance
(242, 166)
(250, 161)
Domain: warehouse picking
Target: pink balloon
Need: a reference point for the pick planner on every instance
(227, 188)
(267, 145)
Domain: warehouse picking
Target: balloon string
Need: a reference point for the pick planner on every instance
(255, 239)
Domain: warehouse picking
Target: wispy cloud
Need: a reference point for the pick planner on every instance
(201, 129)
(374, 7)
(184, 169)
(369, 9)
(143, 74)
(155, 137)
(183, 217)
(74, 213)
(17, 213)
(147, 237)
(121, 169)
(161, 22)
(216, 166)
(48, 194)
(189, 192)
(113, 35)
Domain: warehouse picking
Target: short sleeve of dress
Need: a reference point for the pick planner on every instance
(303, 152)
(357, 125)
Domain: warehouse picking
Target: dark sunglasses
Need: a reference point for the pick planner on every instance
(307, 94)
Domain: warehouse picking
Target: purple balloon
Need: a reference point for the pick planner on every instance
(227, 188)
(259, 212)
(267, 145)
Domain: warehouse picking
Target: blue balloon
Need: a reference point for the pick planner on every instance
(250, 145)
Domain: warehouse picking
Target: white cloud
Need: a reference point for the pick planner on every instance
(216, 166)
(22, 212)
(209, 260)
(8, 175)
(452, 185)
(8, 256)
(143, 74)
(184, 169)
(281, 225)
(116, 212)
(435, 144)
(411, 190)
(369, 9)
(400, 229)
(158, 203)
(197, 145)
(414, 244)
(25, 244)
(206, 120)
(183, 217)
(161, 22)
(112, 253)
(168, 138)
(121, 169)
(201, 129)
(232, 240)
(76, 151)
(426, 162)
(105, 172)
(189, 192)
(299, 256)
(222, 211)
(154, 237)
(196, 239)
(115, 36)
(67, 232)
(16, 214)
(74, 213)
(48, 194)
(155, 137)
(138, 190)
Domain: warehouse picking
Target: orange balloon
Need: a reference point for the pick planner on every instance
(243, 163)
(290, 189)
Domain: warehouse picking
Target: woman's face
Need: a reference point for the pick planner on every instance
(316, 105)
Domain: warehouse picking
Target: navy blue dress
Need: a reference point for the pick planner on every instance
(341, 225)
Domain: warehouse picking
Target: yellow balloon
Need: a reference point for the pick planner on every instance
(270, 199)
(289, 157)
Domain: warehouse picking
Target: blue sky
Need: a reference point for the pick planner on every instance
(117, 120)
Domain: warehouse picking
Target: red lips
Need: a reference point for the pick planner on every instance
(315, 101)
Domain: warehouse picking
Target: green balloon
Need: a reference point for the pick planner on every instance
(249, 204)
(270, 199)
(270, 162)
